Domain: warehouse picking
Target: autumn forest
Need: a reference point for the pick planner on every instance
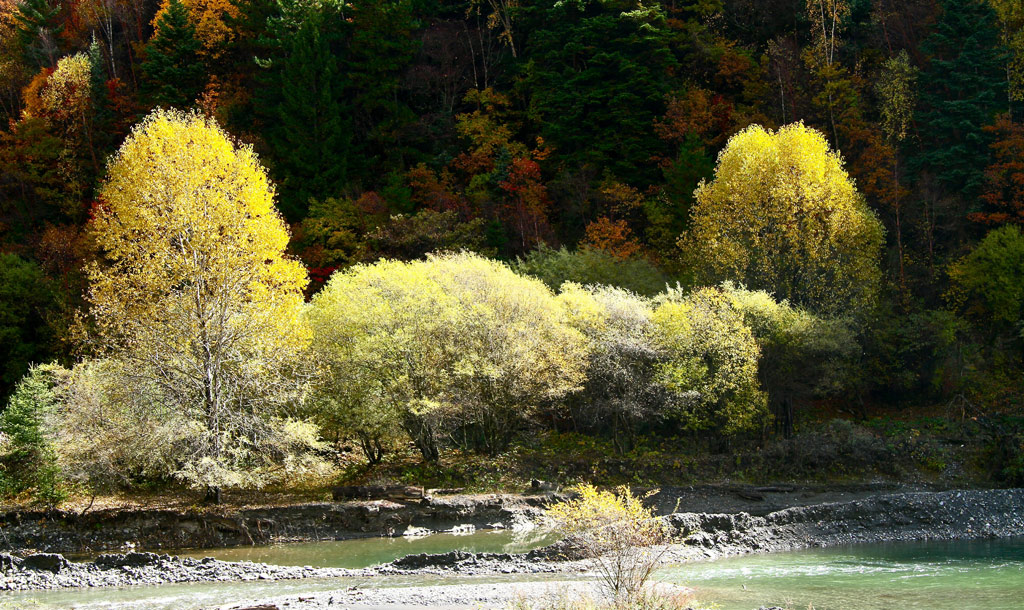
(241, 239)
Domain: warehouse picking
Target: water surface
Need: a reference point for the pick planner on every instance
(979, 575)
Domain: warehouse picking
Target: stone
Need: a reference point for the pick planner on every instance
(51, 562)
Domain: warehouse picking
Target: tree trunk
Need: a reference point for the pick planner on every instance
(422, 435)
(213, 495)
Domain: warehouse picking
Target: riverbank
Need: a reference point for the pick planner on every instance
(161, 527)
(950, 515)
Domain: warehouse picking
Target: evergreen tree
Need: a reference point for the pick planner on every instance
(598, 74)
(38, 29)
(963, 88)
(309, 122)
(174, 74)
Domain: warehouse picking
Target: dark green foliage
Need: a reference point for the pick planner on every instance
(413, 237)
(174, 73)
(668, 216)
(381, 48)
(26, 299)
(38, 28)
(329, 98)
(963, 88)
(32, 189)
(592, 267)
(307, 111)
(598, 72)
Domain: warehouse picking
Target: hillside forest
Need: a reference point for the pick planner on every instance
(244, 239)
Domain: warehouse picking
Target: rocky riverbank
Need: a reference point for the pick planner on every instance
(59, 531)
(885, 518)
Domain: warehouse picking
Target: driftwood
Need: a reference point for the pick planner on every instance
(377, 492)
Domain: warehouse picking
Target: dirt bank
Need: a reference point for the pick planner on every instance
(69, 532)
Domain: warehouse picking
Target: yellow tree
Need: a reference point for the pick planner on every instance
(193, 294)
(782, 215)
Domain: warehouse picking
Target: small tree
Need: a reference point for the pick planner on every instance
(622, 537)
(27, 456)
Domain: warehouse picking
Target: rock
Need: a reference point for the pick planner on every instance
(538, 485)
(464, 529)
(51, 562)
(9, 562)
(416, 532)
(117, 560)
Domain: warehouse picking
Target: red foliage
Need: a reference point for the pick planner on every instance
(1004, 179)
(527, 203)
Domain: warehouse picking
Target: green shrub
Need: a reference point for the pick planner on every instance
(589, 267)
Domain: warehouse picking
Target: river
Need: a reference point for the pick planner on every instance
(976, 575)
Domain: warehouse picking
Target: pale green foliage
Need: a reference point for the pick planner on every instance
(897, 92)
(988, 283)
(623, 538)
(710, 362)
(783, 215)
(621, 390)
(107, 433)
(456, 343)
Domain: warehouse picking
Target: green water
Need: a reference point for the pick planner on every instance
(982, 575)
(363, 552)
(978, 575)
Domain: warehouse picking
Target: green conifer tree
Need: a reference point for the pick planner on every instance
(174, 73)
(963, 88)
(309, 124)
(38, 30)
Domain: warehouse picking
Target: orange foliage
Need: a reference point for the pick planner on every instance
(698, 111)
(528, 201)
(435, 192)
(210, 18)
(1004, 179)
(32, 94)
(612, 236)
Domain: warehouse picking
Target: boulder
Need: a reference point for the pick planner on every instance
(9, 562)
(52, 562)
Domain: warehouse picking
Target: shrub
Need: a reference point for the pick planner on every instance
(621, 536)
(456, 343)
(622, 389)
(710, 362)
(589, 266)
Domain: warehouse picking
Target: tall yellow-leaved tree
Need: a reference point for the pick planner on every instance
(192, 293)
(782, 215)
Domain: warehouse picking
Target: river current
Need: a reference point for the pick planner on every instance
(971, 575)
